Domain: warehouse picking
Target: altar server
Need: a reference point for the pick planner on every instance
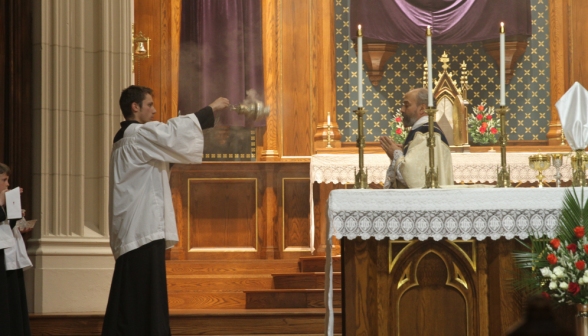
(410, 160)
(142, 219)
(14, 314)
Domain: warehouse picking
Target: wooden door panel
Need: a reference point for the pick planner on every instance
(296, 223)
(222, 214)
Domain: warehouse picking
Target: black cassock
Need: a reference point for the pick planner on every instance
(137, 305)
(14, 313)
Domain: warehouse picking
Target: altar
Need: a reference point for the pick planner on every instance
(432, 262)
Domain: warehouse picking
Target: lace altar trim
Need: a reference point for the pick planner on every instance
(467, 167)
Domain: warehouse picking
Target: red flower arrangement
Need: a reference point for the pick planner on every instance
(482, 126)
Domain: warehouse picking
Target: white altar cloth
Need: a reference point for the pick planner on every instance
(440, 213)
(467, 167)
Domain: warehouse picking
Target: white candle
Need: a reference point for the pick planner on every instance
(502, 67)
(359, 63)
(430, 64)
(328, 118)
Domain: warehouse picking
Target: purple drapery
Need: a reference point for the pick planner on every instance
(221, 55)
(453, 21)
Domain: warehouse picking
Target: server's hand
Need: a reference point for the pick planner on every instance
(219, 104)
(3, 196)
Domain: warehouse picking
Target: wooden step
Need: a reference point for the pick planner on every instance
(308, 280)
(290, 298)
(206, 300)
(317, 264)
(193, 267)
(254, 322)
(218, 283)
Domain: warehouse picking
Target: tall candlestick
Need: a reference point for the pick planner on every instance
(502, 66)
(430, 65)
(359, 63)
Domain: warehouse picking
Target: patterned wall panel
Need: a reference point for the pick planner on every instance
(528, 94)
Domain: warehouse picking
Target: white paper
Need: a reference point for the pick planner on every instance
(13, 208)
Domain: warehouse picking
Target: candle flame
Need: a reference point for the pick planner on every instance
(359, 27)
(502, 24)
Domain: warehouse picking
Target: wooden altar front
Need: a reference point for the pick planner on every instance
(405, 272)
(428, 287)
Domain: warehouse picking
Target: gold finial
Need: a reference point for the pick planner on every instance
(501, 27)
(444, 59)
(429, 31)
(359, 31)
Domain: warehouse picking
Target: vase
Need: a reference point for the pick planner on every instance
(582, 320)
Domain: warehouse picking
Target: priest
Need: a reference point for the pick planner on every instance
(142, 219)
(411, 159)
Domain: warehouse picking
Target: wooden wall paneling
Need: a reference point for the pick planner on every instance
(578, 35)
(361, 296)
(558, 55)
(323, 83)
(270, 235)
(231, 206)
(482, 270)
(271, 22)
(160, 21)
(384, 280)
(296, 43)
(225, 189)
(222, 214)
(321, 193)
(148, 70)
(505, 307)
(180, 201)
(295, 213)
(293, 220)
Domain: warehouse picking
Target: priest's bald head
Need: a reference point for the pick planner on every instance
(414, 106)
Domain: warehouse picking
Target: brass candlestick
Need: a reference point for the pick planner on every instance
(503, 180)
(361, 176)
(431, 176)
(579, 164)
(329, 131)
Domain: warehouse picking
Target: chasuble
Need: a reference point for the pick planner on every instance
(408, 167)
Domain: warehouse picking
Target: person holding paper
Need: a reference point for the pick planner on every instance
(142, 219)
(409, 161)
(14, 315)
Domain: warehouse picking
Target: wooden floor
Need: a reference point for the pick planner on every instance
(200, 322)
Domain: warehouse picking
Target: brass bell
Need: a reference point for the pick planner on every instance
(140, 49)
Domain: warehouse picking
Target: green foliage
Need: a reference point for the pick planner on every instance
(556, 278)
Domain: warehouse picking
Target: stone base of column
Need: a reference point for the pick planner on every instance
(69, 275)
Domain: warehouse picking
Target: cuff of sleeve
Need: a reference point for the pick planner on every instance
(398, 154)
(196, 121)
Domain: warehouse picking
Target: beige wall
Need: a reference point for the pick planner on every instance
(82, 61)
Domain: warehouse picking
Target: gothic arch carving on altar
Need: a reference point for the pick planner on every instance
(426, 279)
(451, 102)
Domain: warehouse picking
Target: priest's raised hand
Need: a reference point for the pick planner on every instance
(389, 146)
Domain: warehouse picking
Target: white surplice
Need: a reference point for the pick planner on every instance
(141, 208)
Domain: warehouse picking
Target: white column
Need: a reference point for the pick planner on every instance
(81, 63)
